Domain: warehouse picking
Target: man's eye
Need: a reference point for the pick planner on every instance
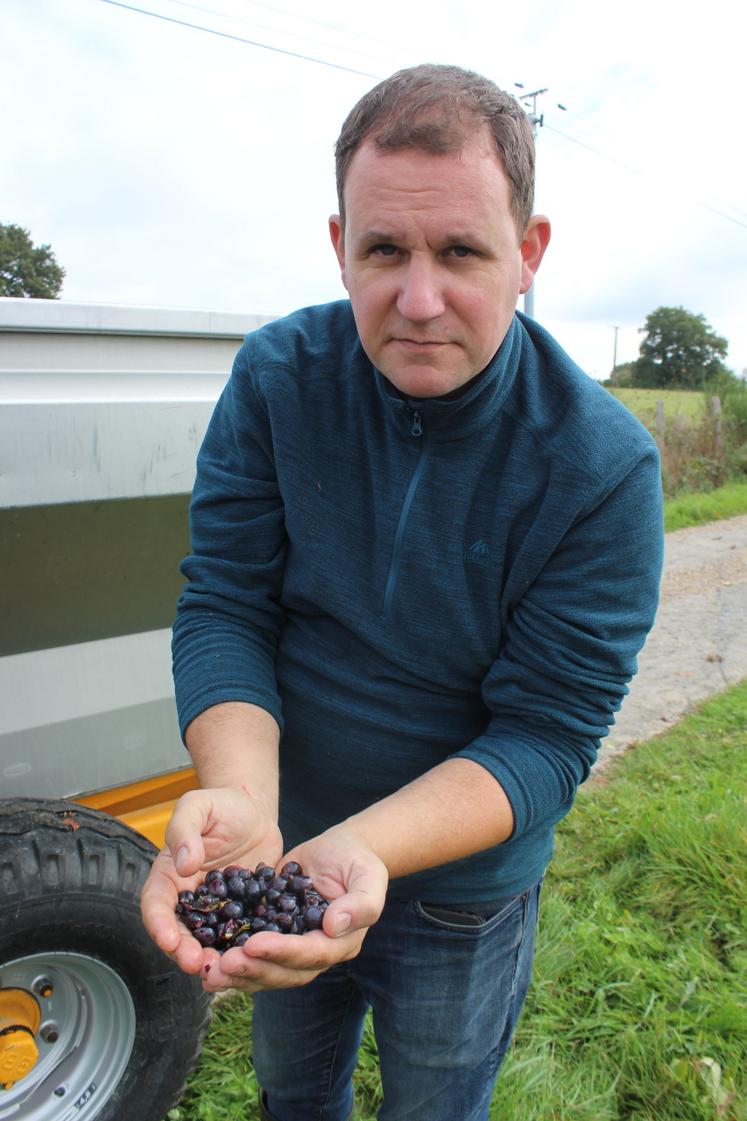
(385, 250)
(459, 251)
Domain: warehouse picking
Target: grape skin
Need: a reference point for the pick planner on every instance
(233, 904)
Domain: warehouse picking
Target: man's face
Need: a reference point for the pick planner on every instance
(432, 262)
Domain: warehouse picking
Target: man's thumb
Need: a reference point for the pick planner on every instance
(183, 861)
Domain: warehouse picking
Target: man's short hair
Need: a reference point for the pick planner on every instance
(437, 109)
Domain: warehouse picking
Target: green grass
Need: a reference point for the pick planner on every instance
(690, 403)
(638, 1009)
(639, 1006)
(701, 507)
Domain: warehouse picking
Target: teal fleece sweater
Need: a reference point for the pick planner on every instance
(401, 581)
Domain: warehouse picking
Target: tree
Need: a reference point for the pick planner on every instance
(680, 351)
(621, 376)
(26, 269)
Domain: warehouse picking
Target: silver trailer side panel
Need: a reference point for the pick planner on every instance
(102, 411)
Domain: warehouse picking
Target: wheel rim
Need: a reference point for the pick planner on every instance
(85, 1036)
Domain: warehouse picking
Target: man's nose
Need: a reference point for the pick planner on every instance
(420, 297)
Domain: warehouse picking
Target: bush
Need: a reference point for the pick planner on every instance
(734, 405)
(693, 453)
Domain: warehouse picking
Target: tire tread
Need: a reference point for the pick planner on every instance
(64, 855)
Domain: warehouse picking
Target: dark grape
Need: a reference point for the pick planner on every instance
(313, 916)
(233, 904)
(205, 936)
(232, 909)
(236, 887)
(252, 891)
(234, 870)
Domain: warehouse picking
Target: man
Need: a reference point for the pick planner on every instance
(426, 551)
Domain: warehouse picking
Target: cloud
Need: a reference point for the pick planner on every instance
(172, 167)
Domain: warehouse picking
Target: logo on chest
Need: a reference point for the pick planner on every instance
(478, 553)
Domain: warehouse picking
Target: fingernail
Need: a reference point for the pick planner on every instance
(344, 922)
(181, 858)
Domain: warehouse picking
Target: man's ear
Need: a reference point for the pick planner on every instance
(535, 242)
(337, 236)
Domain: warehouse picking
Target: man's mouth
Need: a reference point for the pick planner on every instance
(420, 343)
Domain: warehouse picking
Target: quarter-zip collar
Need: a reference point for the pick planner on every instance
(453, 418)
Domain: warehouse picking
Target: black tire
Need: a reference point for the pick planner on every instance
(124, 1026)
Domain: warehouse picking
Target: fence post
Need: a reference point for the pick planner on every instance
(660, 425)
(718, 438)
(718, 432)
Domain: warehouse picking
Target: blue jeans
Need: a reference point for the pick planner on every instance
(445, 999)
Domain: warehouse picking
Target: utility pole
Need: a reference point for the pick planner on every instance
(614, 352)
(529, 101)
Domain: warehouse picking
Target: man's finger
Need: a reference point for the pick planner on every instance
(184, 832)
(357, 910)
(157, 905)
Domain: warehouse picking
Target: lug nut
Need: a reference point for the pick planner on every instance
(44, 987)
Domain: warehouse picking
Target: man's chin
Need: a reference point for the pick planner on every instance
(425, 381)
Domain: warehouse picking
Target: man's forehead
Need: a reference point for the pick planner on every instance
(382, 185)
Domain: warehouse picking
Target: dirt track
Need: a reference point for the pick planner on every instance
(698, 644)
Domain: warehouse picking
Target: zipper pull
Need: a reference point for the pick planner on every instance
(417, 427)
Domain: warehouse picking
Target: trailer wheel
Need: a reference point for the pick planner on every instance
(95, 1022)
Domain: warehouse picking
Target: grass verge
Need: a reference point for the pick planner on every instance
(638, 1009)
(701, 507)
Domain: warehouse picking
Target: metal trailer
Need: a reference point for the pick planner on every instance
(102, 410)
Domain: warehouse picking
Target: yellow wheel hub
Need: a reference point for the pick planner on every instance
(19, 1023)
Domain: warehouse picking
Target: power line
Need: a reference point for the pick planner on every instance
(377, 77)
(237, 38)
(255, 23)
(320, 23)
(642, 174)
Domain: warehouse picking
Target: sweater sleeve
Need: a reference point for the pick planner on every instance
(229, 614)
(570, 650)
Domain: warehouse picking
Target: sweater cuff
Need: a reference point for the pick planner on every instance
(203, 700)
(539, 777)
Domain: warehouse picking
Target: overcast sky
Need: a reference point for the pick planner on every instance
(169, 166)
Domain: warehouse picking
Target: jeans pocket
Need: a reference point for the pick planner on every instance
(449, 916)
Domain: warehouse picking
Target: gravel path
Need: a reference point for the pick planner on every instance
(698, 645)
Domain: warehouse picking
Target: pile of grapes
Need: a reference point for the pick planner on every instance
(231, 905)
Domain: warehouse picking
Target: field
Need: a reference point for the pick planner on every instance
(700, 448)
(638, 1010)
(642, 402)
